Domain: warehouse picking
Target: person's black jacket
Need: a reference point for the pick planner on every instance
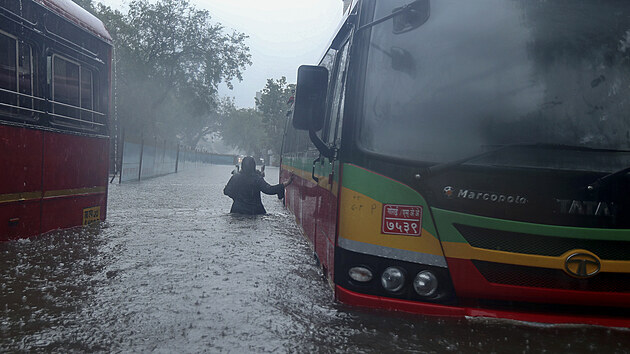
(244, 188)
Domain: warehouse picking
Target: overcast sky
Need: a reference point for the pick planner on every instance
(283, 34)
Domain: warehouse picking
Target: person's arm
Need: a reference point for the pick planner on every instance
(266, 188)
(229, 187)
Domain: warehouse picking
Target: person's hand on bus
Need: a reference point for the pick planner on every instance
(290, 180)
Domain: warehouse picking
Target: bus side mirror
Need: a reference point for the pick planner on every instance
(310, 98)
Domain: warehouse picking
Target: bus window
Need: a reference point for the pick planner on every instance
(74, 93)
(25, 75)
(337, 99)
(11, 5)
(8, 77)
(289, 144)
(87, 94)
(16, 76)
(65, 89)
(303, 142)
(329, 63)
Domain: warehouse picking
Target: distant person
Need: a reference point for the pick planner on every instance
(245, 186)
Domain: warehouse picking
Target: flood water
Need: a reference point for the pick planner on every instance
(172, 271)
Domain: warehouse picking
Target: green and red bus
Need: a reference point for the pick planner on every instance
(55, 79)
(470, 158)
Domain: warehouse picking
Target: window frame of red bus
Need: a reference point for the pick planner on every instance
(66, 120)
(42, 46)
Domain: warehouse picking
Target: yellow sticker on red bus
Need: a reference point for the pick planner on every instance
(91, 215)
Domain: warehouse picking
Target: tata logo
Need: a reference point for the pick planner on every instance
(582, 264)
(586, 207)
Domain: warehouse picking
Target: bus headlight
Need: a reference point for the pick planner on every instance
(360, 274)
(393, 279)
(425, 283)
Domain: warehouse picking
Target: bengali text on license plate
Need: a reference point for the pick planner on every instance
(402, 220)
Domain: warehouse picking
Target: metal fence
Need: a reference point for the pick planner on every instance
(144, 158)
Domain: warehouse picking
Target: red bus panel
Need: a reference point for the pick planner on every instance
(75, 179)
(20, 181)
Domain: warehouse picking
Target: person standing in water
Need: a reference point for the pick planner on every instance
(245, 186)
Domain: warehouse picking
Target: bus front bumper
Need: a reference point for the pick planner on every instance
(431, 309)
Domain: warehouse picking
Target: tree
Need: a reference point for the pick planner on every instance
(273, 107)
(169, 62)
(196, 130)
(87, 5)
(243, 128)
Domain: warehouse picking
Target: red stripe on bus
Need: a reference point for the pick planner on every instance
(469, 283)
(355, 299)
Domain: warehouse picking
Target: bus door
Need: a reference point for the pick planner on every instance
(328, 168)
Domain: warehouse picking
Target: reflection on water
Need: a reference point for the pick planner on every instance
(173, 271)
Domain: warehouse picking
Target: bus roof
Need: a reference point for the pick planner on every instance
(78, 15)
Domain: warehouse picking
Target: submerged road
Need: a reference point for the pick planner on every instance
(172, 271)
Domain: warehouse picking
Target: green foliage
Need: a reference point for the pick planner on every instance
(243, 128)
(169, 62)
(273, 107)
(86, 4)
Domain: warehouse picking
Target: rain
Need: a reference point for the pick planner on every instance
(161, 265)
(171, 273)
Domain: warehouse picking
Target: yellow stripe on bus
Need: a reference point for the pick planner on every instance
(465, 251)
(307, 175)
(27, 196)
(73, 192)
(361, 218)
(18, 197)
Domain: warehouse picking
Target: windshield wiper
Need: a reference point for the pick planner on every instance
(602, 181)
(441, 167)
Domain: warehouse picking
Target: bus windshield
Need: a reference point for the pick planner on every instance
(488, 73)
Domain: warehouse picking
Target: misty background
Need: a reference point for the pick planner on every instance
(210, 74)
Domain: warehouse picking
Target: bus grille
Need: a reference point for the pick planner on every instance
(517, 242)
(508, 274)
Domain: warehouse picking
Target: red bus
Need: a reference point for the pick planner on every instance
(470, 158)
(55, 75)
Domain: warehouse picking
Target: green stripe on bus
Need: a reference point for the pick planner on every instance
(298, 163)
(445, 219)
(385, 190)
(381, 188)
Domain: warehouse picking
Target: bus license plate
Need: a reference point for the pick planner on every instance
(91, 215)
(402, 220)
